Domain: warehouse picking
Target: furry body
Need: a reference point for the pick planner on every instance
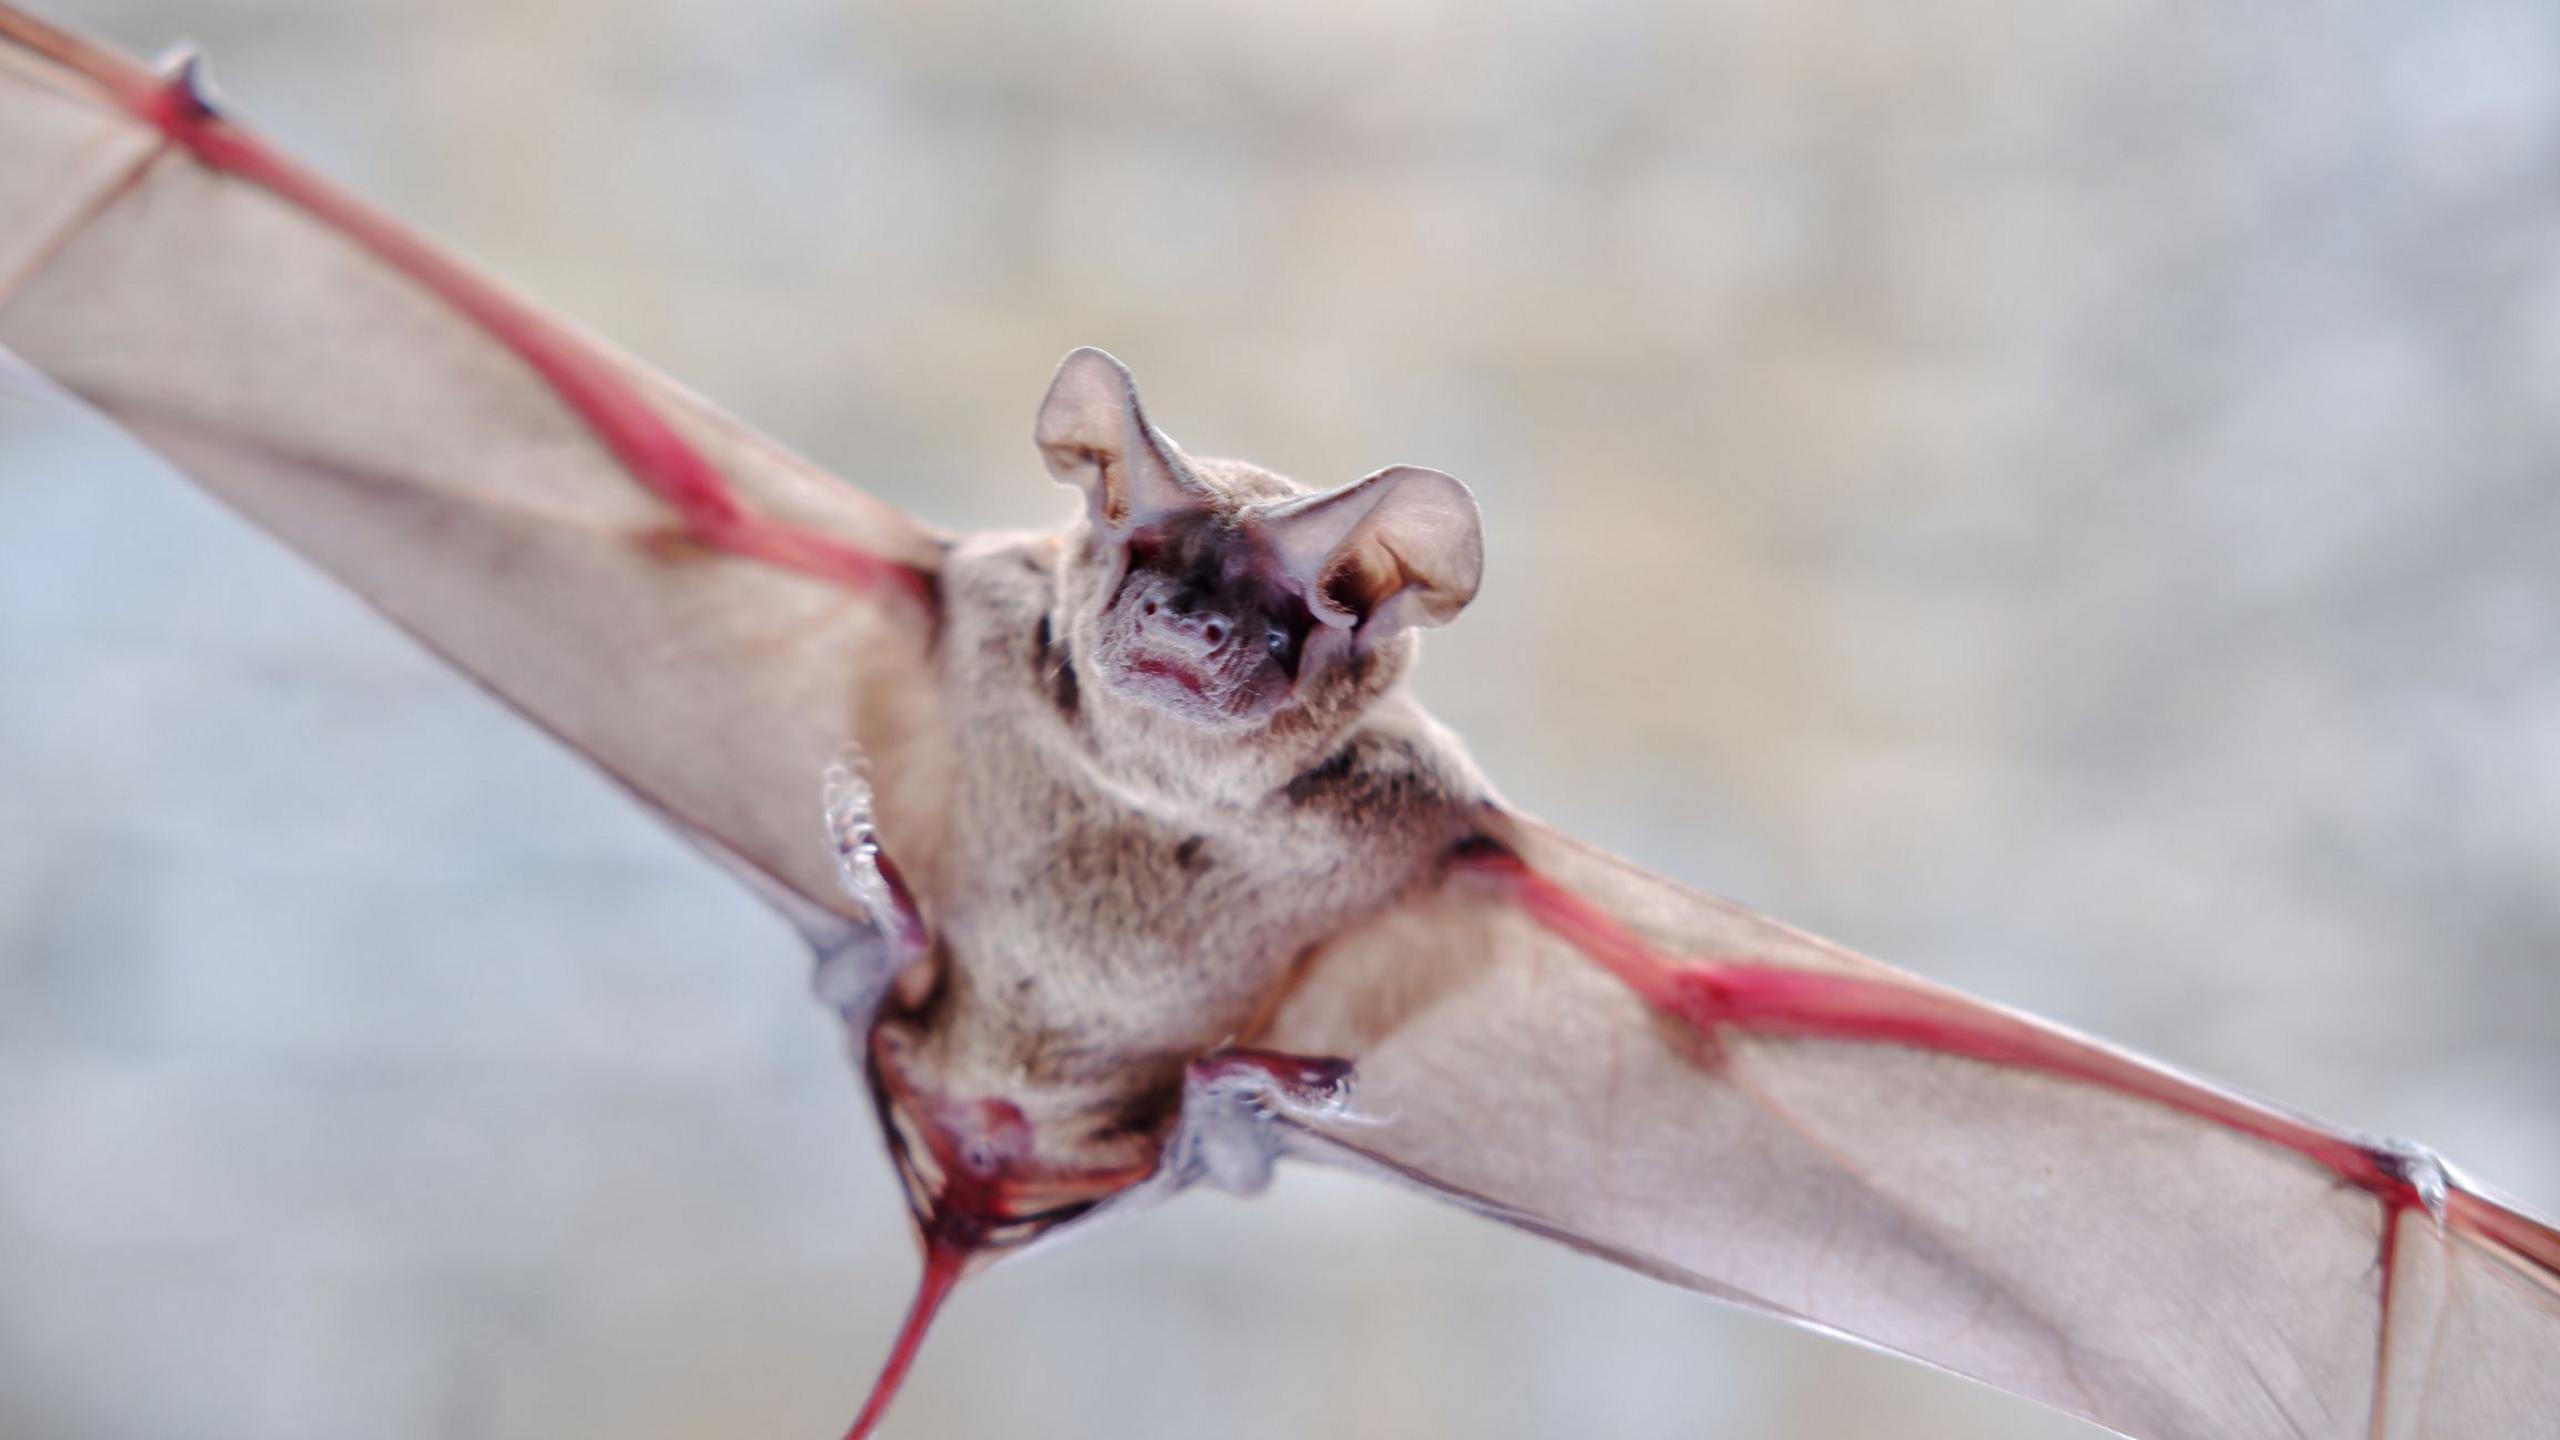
(1127, 892)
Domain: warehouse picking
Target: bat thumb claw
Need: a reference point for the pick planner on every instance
(186, 83)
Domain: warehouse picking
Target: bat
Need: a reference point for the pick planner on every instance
(1408, 977)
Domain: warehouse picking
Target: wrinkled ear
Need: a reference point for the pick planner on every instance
(1096, 437)
(1403, 547)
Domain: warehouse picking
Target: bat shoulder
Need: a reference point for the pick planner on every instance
(1399, 780)
(996, 589)
(1003, 569)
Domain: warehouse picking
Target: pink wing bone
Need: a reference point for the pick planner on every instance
(175, 103)
(709, 619)
(1557, 1040)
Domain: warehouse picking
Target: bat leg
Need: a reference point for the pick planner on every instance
(1228, 1134)
(1230, 1100)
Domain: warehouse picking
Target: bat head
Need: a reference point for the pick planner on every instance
(1226, 597)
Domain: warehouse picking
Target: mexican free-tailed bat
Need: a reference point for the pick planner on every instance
(1185, 763)
(1143, 870)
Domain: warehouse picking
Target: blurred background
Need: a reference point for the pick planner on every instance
(2057, 496)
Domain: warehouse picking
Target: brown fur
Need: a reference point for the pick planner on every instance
(1124, 887)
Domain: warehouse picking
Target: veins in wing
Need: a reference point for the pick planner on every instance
(2275, 1403)
(627, 424)
(1714, 996)
(2387, 1262)
(158, 417)
(1302, 1138)
(80, 218)
(1948, 1247)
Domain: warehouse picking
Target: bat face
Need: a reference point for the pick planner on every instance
(1203, 625)
(1225, 598)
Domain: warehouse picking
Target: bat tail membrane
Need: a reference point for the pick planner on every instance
(943, 1266)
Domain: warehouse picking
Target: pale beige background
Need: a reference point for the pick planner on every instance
(2060, 496)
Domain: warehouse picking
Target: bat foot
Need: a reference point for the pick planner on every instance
(1233, 1105)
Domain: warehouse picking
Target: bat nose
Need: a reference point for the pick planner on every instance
(1198, 628)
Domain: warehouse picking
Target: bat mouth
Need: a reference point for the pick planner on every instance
(1158, 672)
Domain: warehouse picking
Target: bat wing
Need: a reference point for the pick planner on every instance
(1564, 1042)
(710, 619)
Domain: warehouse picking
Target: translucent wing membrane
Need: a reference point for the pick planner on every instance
(1846, 1146)
(603, 551)
(1550, 1036)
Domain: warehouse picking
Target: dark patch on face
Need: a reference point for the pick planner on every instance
(1207, 565)
(1187, 854)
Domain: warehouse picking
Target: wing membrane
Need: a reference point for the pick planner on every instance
(2149, 1253)
(338, 397)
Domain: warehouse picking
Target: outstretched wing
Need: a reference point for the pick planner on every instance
(1564, 1042)
(709, 618)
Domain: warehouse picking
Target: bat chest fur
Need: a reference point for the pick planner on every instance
(1093, 941)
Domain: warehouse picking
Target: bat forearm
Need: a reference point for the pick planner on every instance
(628, 424)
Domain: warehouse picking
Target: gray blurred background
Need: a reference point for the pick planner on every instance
(2058, 496)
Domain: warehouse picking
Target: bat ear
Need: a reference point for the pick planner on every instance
(1402, 547)
(1095, 436)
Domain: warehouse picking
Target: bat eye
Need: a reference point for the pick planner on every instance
(1276, 640)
